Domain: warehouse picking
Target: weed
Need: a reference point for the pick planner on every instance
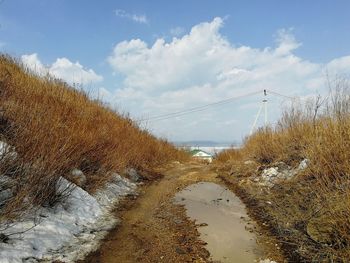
(54, 128)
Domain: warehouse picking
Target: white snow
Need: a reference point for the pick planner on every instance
(3, 148)
(68, 231)
(303, 164)
(270, 175)
(7, 151)
(270, 172)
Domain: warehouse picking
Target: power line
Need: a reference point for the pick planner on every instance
(206, 106)
(281, 95)
(197, 109)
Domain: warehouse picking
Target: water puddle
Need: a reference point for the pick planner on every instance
(224, 213)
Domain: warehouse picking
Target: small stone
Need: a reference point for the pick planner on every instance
(180, 251)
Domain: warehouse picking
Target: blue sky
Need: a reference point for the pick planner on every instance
(218, 49)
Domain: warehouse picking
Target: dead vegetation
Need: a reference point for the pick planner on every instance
(48, 128)
(310, 213)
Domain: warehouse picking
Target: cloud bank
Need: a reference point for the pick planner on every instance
(62, 68)
(202, 67)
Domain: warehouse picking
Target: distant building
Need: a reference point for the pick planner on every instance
(201, 155)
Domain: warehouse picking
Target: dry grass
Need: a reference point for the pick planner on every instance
(55, 128)
(312, 212)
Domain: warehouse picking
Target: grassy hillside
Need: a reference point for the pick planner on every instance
(51, 128)
(310, 214)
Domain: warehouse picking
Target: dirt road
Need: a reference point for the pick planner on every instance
(153, 229)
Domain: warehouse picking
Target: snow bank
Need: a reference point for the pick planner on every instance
(271, 175)
(68, 231)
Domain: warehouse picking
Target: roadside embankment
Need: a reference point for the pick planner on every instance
(64, 160)
(295, 177)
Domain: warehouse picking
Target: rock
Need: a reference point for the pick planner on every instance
(177, 221)
(5, 195)
(287, 174)
(267, 174)
(78, 177)
(303, 164)
(5, 182)
(180, 251)
(270, 176)
(249, 162)
(282, 166)
(133, 175)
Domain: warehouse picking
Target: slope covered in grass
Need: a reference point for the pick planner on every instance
(310, 212)
(48, 128)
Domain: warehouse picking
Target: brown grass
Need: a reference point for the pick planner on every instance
(312, 211)
(55, 128)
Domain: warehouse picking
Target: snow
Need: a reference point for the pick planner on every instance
(67, 231)
(7, 151)
(3, 148)
(270, 172)
(303, 164)
(271, 175)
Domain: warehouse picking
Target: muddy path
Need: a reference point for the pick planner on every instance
(153, 228)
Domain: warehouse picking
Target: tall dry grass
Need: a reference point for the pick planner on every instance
(313, 211)
(54, 128)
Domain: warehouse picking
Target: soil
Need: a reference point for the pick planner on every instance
(153, 228)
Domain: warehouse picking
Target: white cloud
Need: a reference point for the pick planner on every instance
(63, 69)
(33, 62)
(142, 19)
(286, 42)
(177, 31)
(202, 67)
(339, 65)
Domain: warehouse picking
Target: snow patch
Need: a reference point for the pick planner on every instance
(303, 164)
(271, 175)
(67, 231)
(270, 172)
(7, 151)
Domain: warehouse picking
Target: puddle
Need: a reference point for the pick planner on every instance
(226, 234)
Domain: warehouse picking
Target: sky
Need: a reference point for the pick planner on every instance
(149, 58)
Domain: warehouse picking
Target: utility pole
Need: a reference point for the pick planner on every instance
(263, 105)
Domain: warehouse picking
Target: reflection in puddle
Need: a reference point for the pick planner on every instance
(226, 234)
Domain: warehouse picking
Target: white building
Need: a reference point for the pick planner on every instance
(202, 155)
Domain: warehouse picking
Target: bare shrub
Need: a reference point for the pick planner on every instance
(313, 210)
(54, 128)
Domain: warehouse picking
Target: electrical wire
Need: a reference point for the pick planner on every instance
(197, 109)
(207, 106)
(281, 95)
